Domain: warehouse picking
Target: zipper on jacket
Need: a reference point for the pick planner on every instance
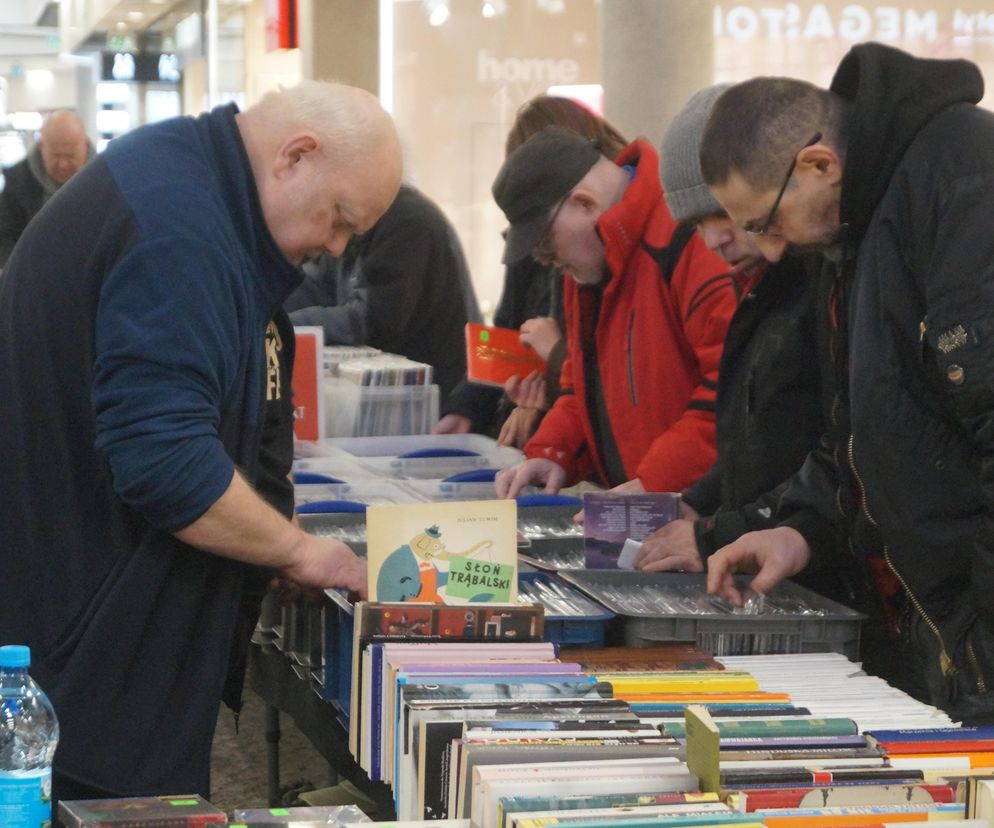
(631, 360)
(972, 657)
(945, 662)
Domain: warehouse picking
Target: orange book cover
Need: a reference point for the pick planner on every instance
(965, 747)
(494, 355)
(983, 759)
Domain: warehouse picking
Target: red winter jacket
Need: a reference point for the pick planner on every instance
(659, 335)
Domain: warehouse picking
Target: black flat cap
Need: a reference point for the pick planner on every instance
(534, 178)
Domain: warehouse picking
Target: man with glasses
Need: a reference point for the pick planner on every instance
(891, 174)
(646, 308)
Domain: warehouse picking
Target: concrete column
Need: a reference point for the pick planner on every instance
(656, 54)
(340, 41)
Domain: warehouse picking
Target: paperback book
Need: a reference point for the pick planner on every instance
(181, 811)
(494, 355)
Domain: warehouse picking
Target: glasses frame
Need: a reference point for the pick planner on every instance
(543, 250)
(765, 227)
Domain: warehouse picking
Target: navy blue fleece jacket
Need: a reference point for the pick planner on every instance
(132, 325)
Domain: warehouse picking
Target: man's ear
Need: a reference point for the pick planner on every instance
(292, 151)
(821, 160)
(585, 198)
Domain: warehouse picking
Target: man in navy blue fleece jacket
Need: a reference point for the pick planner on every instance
(132, 326)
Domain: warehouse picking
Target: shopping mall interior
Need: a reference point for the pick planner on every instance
(452, 72)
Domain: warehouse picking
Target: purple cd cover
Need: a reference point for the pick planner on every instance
(610, 518)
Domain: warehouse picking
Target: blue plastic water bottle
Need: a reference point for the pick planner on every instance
(29, 733)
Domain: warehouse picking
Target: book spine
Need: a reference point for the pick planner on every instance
(376, 719)
(965, 746)
(733, 778)
(754, 728)
(843, 796)
(938, 734)
(791, 742)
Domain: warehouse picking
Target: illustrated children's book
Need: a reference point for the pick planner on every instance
(445, 553)
(494, 355)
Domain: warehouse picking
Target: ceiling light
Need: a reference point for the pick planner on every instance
(494, 8)
(438, 11)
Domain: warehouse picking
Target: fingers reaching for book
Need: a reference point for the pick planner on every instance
(671, 548)
(453, 424)
(532, 392)
(324, 563)
(773, 554)
(538, 470)
(518, 427)
(541, 333)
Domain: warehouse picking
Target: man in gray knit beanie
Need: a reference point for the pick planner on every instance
(688, 197)
(769, 406)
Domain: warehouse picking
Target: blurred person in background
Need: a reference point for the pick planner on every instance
(531, 301)
(403, 287)
(57, 156)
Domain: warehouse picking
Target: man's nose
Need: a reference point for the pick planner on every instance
(338, 241)
(713, 238)
(772, 248)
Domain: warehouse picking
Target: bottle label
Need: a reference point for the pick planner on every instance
(25, 799)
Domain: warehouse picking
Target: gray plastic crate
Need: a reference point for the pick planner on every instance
(546, 534)
(348, 527)
(826, 626)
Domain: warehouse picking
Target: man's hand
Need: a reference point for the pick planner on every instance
(541, 333)
(776, 553)
(537, 470)
(528, 392)
(453, 424)
(633, 486)
(671, 548)
(322, 563)
(528, 396)
(518, 427)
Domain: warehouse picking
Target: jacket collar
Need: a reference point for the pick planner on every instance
(622, 226)
(279, 275)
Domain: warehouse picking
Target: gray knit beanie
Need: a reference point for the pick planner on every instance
(687, 196)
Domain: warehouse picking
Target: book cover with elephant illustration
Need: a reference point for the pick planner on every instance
(443, 553)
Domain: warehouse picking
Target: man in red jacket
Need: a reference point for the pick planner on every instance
(646, 310)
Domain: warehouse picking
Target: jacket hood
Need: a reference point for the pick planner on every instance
(893, 96)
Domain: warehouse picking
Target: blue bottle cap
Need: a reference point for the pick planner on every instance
(15, 655)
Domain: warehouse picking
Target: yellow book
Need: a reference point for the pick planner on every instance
(682, 682)
(703, 747)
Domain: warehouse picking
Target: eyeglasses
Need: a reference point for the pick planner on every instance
(544, 251)
(764, 228)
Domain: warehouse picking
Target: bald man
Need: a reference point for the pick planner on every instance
(134, 408)
(57, 156)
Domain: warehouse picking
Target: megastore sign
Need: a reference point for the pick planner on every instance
(853, 22)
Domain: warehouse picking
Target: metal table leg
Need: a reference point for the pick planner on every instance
(273, 754)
